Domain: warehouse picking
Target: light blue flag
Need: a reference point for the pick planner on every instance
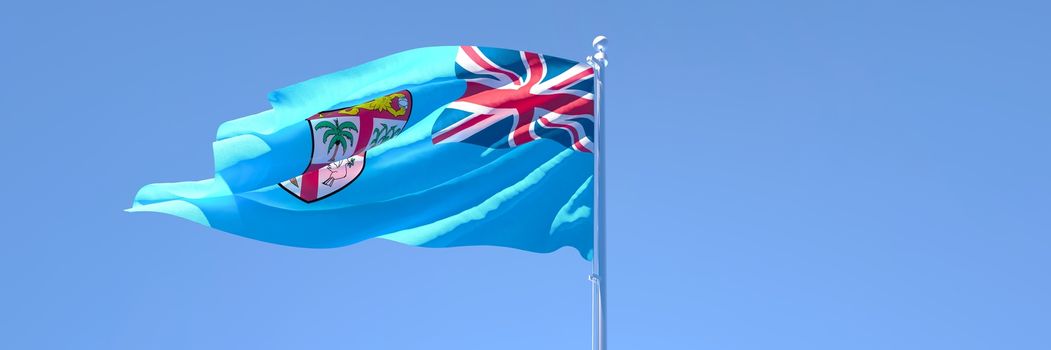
(433, 147)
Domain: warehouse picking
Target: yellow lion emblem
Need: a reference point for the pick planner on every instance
(382, 104)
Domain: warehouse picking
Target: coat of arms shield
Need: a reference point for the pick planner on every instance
(340, 139)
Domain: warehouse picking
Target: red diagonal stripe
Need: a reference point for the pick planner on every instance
(574, 79)
(463, 126)
(577, 142)
(474, 54)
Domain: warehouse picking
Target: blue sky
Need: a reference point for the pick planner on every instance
(812, 175)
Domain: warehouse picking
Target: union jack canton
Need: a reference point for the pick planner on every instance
(515, 97)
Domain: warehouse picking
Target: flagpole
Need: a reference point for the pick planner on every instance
(598, 257)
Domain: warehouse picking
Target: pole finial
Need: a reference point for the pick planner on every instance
(600, 43)
(598, 60)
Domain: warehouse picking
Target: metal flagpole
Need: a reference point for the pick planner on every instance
(598, 253)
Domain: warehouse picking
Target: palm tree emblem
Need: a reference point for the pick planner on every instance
(338, 135)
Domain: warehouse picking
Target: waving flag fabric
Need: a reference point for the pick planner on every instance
(520, 95)
(434, 147)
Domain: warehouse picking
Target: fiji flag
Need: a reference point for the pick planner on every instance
(433, 147)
